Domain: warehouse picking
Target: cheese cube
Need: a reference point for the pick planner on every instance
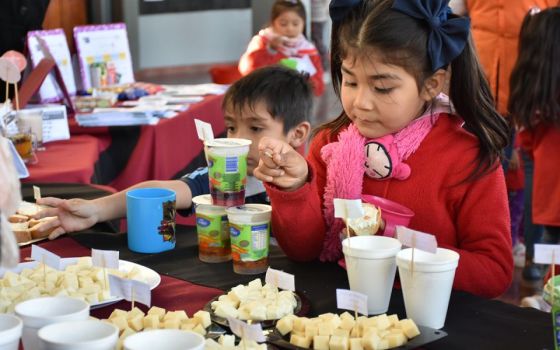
(154, 310)
(341, 332)
(409, 328)
(321, 342)
(394, 319)
(311, 331)
(301, 341)
(395, 339)
(120, 322)
(172, 323)
(371, 341)
(383, 322)
(192, 322)
(180, 315)
(300, 323)
(226, 310)
(255, 284)
(325, 328)
(227, 340)
(338, 343)
(136, 322)
(258, 312)
(285, 324)
(187, 326)
(126, 332)
(151, 321)
(135, 312)
(203, 318)
(356, 332)
(118, 312)
(199, 329)
(356, 344)
(347, 323)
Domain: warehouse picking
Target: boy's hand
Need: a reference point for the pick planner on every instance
(281, 165)
(72, 215)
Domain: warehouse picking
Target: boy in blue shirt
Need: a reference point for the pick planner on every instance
(272, 101)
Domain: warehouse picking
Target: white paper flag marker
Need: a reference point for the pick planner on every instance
(204, 130)
(130, 290)
(246, 331)
(348, 209)
(36, 195)
(548, 254)
(106, 259)
(45, 258)
(280, 279)
(352, 301)
(416, 239)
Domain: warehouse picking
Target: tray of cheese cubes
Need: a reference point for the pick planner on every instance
(344, 332)
(77, 278)
(258, 303)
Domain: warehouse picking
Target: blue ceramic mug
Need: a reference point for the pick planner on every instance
(150, 215)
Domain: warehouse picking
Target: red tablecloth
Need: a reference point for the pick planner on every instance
(172, 293)
(160, 151)
(66, 161)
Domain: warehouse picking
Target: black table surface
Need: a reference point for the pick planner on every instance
(472, 322)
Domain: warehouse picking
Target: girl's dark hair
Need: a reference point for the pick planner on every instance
(535, 80)
(286, 93)
(281, 6)
(403, 41)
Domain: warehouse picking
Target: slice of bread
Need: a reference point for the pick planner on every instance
(29, 209)
(35, 228)
(17, 218)
(21, 231)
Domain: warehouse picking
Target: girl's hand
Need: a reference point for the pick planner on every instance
(281, 165)
(277, 43)
(72, 215)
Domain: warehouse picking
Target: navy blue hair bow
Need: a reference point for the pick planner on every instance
(339, 8)
(448, 37)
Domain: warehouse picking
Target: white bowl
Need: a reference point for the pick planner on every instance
(168, 339)
(10, 332)
(39, 312)
(85, 335)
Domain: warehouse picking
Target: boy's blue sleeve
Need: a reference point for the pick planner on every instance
(198, 183)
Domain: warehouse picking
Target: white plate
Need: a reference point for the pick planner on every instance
(152, 278)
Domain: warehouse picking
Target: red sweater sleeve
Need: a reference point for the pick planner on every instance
(297, 218)
(483, 237)
(258, 55)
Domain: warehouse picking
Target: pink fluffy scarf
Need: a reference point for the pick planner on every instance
(345, 161)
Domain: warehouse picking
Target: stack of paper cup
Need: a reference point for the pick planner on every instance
(427, 288)
(371, 267)
(39, 312)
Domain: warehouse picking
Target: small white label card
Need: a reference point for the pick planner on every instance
(417, 239)
(36, 192)
(107, 259)
(44, 256)
(348, 208)
(130, 289)
(352, 301)
(280, 279)
(246, 331)
(204, 130)
(547, 254)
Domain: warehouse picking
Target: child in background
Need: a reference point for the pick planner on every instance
(284, 40)
(389, 61)
(535, 107)
(272, 101)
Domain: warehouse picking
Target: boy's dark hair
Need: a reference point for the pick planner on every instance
(403, 41)
(286, 93)
(535, 79)
(281, 6)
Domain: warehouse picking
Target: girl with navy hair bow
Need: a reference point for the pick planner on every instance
(398, 137)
